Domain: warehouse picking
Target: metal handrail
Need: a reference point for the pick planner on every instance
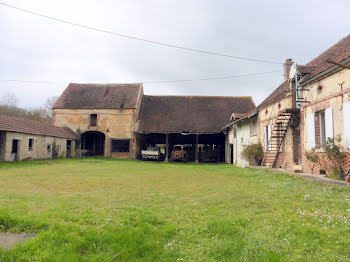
(270, 140)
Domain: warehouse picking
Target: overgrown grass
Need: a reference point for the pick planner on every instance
(122, 210)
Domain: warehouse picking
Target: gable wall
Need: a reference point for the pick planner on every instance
(114, 123)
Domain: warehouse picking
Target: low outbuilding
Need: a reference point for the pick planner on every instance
(22, 139)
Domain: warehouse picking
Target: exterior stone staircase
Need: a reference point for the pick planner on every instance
(278, 134)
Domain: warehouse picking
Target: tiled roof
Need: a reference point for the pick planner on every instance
(337, 53)
(192, 114)
(278, 92)
(99, 96)
(25, 126)
(248, 115)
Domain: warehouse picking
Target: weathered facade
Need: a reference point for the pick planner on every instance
(303, 112)
(22, 139)
(117, 120)
(278, 125)
(102, 115)
(326, 113)
(241, 132)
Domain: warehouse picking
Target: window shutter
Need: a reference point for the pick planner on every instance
(346, 114)
(329, 123)
(310, 118)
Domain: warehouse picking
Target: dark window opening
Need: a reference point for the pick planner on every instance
(30, 145)
(69, 147)
(120, 145)
(322, 128)
(14, 146)
(93, 120)
(319, 89)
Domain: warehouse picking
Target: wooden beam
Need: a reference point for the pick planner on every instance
(196, 148)
(166, 147)
(338, 64)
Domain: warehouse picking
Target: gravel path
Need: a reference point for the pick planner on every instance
(311, 177)
(8, 240)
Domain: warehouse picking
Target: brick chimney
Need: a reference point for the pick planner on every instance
(287, 65)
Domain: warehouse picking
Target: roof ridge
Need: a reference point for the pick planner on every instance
(29, 120)
(332, 46)
(198, 96)
(105, 84)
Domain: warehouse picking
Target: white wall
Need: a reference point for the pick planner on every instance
(242, 139)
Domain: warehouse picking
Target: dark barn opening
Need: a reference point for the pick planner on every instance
(211, 147)
(188, 128)
(93, 143)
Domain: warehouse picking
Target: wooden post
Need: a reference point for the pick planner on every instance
(166, 147)
(196, 149)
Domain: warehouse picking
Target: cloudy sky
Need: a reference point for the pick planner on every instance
(33, 48)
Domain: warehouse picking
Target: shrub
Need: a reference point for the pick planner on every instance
(253, 152)
(333, 150)
(313, 158)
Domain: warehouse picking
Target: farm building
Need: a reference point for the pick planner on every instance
(117, 120)
(103, 116)
(194, 121)
(241, 132)
(22, 139)
(311, 105)
(326, 88)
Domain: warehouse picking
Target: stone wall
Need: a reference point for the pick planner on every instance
(113, 123)
(267, 116)
(330, 92)
(39, 149)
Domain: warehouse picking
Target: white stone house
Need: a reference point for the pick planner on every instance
(241, 132)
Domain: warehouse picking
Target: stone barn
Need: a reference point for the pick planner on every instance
(117, 120)
(192, 121)
(102, 115)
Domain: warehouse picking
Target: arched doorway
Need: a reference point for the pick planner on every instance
(93, 143)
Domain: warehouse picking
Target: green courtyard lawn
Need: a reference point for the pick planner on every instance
(123, 210)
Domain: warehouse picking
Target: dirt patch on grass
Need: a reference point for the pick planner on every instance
(8, 240)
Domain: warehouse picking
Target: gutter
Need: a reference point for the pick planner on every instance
(324, 73)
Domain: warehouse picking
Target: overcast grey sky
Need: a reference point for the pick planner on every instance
(34, 48)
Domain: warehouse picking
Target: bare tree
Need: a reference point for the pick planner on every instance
(49, 103)
(9, 100)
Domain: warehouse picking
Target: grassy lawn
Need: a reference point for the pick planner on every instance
(122, 210)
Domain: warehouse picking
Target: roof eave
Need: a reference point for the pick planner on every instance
(324, 73)
(240, 119)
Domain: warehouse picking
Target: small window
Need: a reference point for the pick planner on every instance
(30, 144)
(120, 145)
(266, 111)
(93, 120)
